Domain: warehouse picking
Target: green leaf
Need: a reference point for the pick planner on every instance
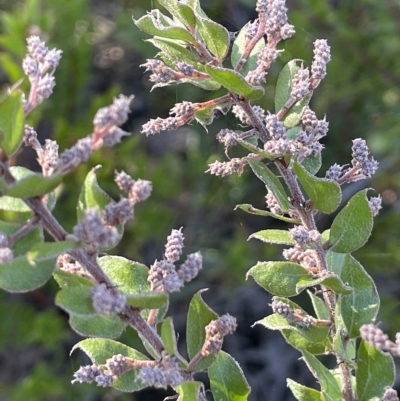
(23, 244)
(293, 116)
(234, 82)
(271, 181)
(320, 308)
(215, 36)
(314, 334)
(100, 349)
(181, 12)
(177, 51)
(18, 205)
(227, 379)
(303, 393)
(157, 24)
(91, 195)
(274, 237)
(33, 185)
(66, 280)
(97, 325)
(362, 305)
(238, 48)
(252, 210)
(169, 337)
(344, 350)
(21, 276)
(76, 300)
(205, 115)
(189, 391)
(375, 371)
(312, 163)
(282, 94)
(329, 385)
(297, 341)
(278, 278)
(324, 194)
(353, 225)
(12, 122)
(131, 279)
(199, 316)
(44, 250)
(255, 149)
(330, 281)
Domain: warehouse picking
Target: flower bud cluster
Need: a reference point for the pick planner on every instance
(293, 316)
(227, 137)
(390, 395)
(154, 126)
(365, 164)
(375, 204)
(137, 190)
(93, 230)
(216, 330)
(165, 373)
(48, 157)
(301, 254)
(103, 375)
(163, 275)
(161, 74)
(322, 56)
(334, 172)
(302, 236)
(243, 117)
(115, 114)
(377, 338)
(300, 84)
(35, 65)
(107, 301)
(221, 169)
(272, 204)
(64, 263)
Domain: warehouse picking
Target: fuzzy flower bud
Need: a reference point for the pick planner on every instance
(106, 301)
(374, 335)
(6, 255)
(30, 67)
(300, 84)
(227, 137)
(300, 234)
(235, 165)
(118, 212)
(163, 277)
(375, 204)
(185, 68)
(334, 172)
(182, 109)
(282, 309)
(390, 395)
(37, 49)
(157, 125)
(154, 376)
(104, 379)
(287, 31)
(174, 245)
(124, 181)
(117, 364)
(275, 126)
(115, 114)
(92, 229)
(86, 374)
(30, 137)
(191, 267)
(273, 204)
(251, 30)
(322, 56)
(45, 87)
(114, 136)
(309, 118)
(140, 191)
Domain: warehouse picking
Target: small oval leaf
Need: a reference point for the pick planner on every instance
(274, 237)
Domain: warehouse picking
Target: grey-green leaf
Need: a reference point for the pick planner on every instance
(11, 122)
(375, 371)
(362, 305)
(215, 36)
(157, 24)
(21, 276)
(234, 82)
(279, 278)
(303, 393)
(324, 194)
(97, 325)
(199, 316)
(353, 225)
(274, 237)
(329, 385)
(227, 379)
(271, 181)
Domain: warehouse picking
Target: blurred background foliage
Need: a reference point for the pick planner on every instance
(102, 51)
